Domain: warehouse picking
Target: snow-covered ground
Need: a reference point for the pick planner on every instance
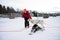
(13, 29)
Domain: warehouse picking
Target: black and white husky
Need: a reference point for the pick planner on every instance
(38, 25)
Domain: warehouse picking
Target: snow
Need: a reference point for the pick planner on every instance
(14, 29)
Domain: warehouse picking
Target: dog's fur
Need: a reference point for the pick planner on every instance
(36, 26)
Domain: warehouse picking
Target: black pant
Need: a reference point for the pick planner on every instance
(26, 22)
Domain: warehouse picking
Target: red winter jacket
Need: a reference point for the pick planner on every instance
(26, 15)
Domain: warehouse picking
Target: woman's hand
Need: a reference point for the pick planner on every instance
(30, 19)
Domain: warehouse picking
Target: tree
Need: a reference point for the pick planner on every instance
(4, 10)
(35, 13)
(12, 10)
(8, 9)
(0, 9)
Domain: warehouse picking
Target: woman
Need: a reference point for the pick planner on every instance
(26, 16)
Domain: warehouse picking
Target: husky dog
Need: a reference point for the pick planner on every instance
(38, 25)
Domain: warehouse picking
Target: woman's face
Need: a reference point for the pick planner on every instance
(25, 11)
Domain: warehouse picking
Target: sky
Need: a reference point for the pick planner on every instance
(37, 5)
